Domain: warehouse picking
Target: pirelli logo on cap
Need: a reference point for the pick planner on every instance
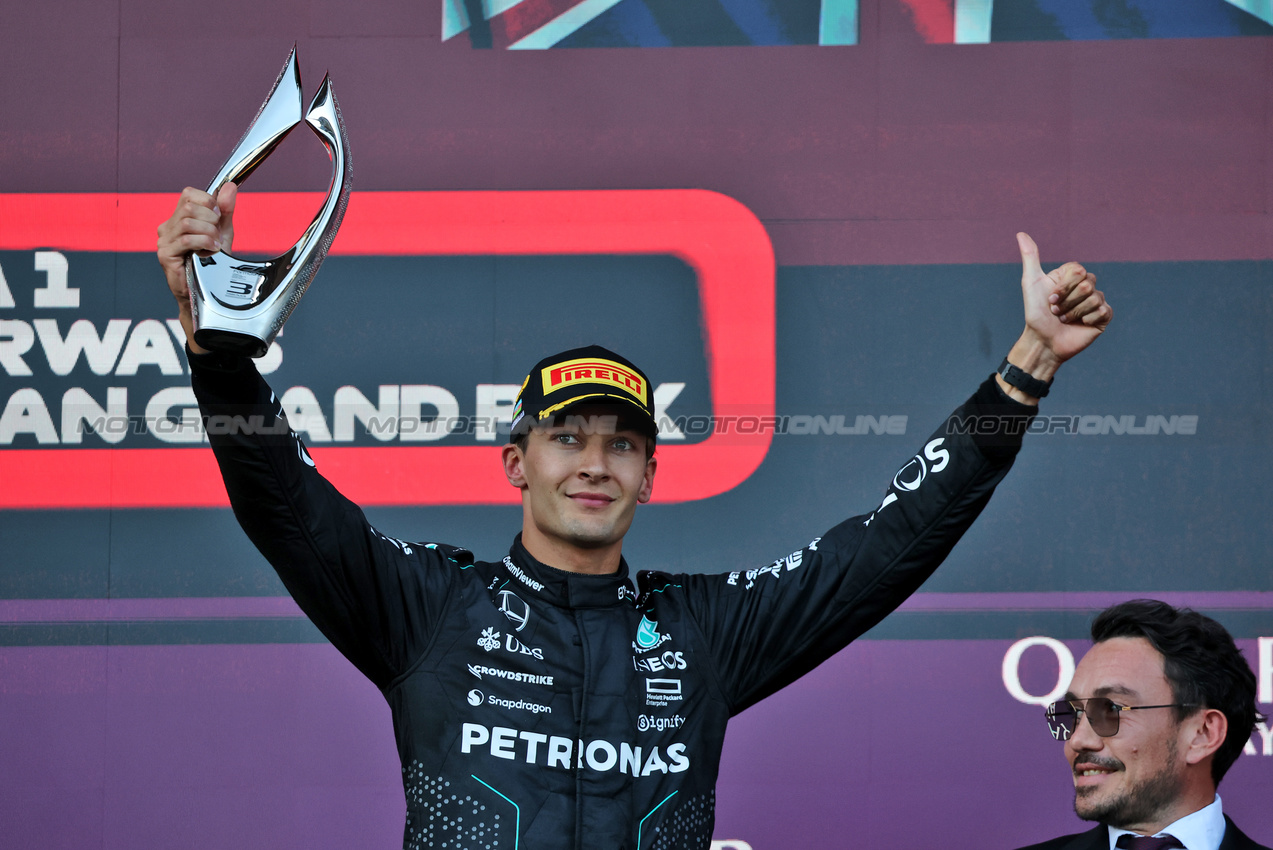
(594, 370)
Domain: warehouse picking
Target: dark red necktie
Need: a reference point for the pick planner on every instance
(1141, 842)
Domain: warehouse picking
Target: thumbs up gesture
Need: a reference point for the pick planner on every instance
(1064, 313)
(1063, 308)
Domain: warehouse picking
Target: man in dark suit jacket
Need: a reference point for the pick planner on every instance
(1097, 838)
(1169, 702)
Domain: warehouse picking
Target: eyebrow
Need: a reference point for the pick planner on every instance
(604, 424)
(1119, 690)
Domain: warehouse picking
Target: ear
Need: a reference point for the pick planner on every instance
(514, 468)
(647, 482)
(1204, 733)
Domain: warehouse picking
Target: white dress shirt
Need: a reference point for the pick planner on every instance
(1202, 830)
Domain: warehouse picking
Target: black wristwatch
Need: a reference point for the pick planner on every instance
(1023, 380)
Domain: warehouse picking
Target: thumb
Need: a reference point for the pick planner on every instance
(1030, 267)
(226, 198)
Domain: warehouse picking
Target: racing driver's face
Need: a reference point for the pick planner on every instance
(581, 479)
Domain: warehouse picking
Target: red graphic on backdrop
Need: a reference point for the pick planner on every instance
(717, 237)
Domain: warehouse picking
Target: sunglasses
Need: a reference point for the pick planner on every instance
(1102, 713)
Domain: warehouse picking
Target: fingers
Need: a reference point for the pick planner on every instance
(202, 237)
(1086, 304)
(1030, 268)
(196, 203)
(1093, 312)
(194, 226)
(1071, 284)
(196, 196)
(1099, 317)
(200, 224)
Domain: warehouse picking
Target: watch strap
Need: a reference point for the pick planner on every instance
(1023, 380)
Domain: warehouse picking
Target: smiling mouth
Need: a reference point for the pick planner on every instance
(592, 498)
(1091, 772)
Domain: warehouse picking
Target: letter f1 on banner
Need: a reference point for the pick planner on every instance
(717, 237)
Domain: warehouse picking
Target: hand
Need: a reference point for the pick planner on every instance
(1064, 309)
(200, 225)
(1064, 313)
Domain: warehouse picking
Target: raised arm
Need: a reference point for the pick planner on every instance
(376, 598)
(771, 624)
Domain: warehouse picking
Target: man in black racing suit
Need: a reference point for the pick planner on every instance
(558, 701)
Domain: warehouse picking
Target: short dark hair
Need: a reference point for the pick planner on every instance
(1201, 662)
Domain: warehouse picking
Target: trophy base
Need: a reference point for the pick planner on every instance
(230, 342)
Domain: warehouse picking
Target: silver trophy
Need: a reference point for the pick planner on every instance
(239, 305)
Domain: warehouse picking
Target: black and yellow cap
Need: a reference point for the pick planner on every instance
(588, 375)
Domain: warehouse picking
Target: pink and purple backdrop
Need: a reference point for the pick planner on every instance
(156, 687)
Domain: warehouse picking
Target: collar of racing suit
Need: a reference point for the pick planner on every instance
(566, 589)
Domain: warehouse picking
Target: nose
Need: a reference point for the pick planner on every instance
(592, 460)
(1084, 738)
